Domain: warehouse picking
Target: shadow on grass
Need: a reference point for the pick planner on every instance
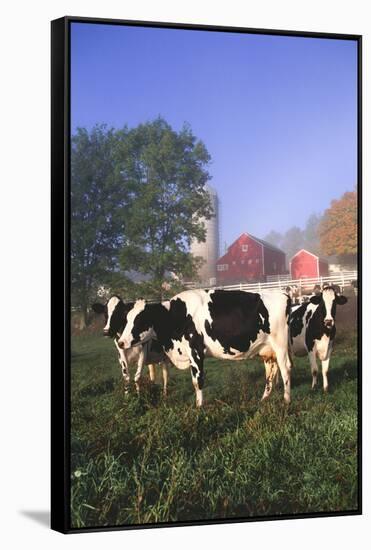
(93, 390)
(347, 370)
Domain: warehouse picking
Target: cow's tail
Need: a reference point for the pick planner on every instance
(289, 342)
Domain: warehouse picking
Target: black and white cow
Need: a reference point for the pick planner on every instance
(312, 332)
(115, 312)
(224, 324)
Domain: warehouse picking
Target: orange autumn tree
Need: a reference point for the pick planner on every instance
(338, 228)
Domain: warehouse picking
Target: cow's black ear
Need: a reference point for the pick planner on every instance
(341, 300)
(98, 308)
(316, 299)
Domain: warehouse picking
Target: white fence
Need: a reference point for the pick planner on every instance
(342, 279)
(279, 278)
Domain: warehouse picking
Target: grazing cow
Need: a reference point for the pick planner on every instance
(312, 332)
(115, 312)
(224, 324)
(293, 291)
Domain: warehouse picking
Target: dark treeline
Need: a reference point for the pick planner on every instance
(295, 238)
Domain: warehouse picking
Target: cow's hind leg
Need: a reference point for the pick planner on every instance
(284, 364)
(271, 370)
(196, 356)
(152, 374)
(313, 368)
(198, 382)
(165, 378)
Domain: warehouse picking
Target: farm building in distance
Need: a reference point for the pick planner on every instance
(209, 250)
(305, 265)
(249, 259)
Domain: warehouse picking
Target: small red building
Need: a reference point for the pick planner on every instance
(305, 265)
(249, 259)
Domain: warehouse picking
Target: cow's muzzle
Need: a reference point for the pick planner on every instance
(123, 344)
(329, 323)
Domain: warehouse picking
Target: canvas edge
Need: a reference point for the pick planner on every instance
(60, 318)
(60, 270)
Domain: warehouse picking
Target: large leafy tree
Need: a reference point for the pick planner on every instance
(137, 200)
(338, 229)
(97, 209)
(164, 172)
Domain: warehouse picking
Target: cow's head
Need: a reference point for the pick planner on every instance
(327, 301)
(146, 322)
(139, 326)
(114, 312)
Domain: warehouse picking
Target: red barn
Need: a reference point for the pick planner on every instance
(305, 265)
(249, 259)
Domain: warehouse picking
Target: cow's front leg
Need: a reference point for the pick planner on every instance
(125, 375)
(325, 367)
(271, 371)
(124, 368)
(138, 374)
(313, 368)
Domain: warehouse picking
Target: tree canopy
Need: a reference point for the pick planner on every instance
(165, 173)
(338, 229)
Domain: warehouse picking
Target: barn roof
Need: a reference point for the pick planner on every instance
(260, 241)
(265, 243)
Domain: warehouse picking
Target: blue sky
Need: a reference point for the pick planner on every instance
(278, 115)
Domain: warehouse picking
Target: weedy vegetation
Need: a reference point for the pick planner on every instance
(147, 459)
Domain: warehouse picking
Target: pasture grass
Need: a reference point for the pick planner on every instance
(149, 459)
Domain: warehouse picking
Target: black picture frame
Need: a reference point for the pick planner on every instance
(60, 266)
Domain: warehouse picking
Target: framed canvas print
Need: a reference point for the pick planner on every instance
(206, 274)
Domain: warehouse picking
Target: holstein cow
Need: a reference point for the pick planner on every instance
(115, 312)
(224, 324)
(312, 332)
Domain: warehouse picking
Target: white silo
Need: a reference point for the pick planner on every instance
(209, 250)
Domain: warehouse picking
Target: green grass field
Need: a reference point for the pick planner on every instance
(139, 460)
